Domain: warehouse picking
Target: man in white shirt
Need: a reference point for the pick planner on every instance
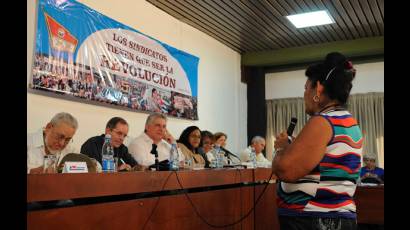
(54, 139)
(155, 133)
(258, 143)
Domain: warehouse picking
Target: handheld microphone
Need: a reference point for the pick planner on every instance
(291, 127)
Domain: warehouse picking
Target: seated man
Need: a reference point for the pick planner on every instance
(258, 143)
(155, 133)
(117, 127)
(370, 173)
(54, 139)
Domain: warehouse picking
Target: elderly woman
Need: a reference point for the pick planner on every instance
(188, 142)
(319, 169)
(220, 139)
(370, 173)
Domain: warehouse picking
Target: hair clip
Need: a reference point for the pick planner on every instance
(330, 72)
(348, 65)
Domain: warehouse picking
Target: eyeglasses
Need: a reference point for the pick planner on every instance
(207, 142)
(367, 159)
(60, 137)
(119, 133)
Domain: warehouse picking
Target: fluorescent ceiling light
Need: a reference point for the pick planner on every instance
(310, 19)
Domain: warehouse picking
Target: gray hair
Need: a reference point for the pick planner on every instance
(151, 118)
(66, 118)
(257, 139)
(369, 156)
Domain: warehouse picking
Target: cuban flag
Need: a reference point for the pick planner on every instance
(61, 39)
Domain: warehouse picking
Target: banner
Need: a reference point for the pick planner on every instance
(82, 53)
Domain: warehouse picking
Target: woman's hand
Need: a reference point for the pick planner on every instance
(281, 141)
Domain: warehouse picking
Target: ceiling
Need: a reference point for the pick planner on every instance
(252, 26)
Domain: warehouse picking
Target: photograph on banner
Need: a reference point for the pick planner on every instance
(97, 58)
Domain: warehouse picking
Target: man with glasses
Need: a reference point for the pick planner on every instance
(370, 173)
(117, 127)
(53, 140)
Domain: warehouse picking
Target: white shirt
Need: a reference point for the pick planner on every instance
(140, 149)
(36, 150)
(245, 156)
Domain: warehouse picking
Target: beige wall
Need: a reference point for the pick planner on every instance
(369, 78)
(221, 95)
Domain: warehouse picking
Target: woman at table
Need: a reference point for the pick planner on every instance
(188, 143)
(319, 169)
(206, 145)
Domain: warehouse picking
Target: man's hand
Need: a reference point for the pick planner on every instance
(124, 167)
(168, 137)
(139, 167)
(38, 170)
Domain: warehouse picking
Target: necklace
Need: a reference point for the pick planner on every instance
(335, 106)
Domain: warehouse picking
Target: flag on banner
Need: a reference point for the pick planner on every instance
(61, 38)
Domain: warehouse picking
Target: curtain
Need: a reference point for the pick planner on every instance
(367, 108)
(279, 114)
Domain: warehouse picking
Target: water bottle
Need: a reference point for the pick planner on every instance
(221, 160)
(107, 155)
(215, 159)
(174, 157)
(253, 157)
(219, 157)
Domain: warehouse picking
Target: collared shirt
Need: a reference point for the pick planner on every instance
(140, 149)
(93, 147)
(36, 150)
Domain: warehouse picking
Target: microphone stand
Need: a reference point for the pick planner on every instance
(228, 154)
(155, 152)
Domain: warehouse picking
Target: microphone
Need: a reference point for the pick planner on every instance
(227, 153)
(291, 127)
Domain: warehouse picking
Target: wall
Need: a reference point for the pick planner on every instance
(369, 78)
(221, 95)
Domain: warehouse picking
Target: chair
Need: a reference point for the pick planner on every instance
(78, 157)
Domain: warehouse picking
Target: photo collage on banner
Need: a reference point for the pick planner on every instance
(82, 53)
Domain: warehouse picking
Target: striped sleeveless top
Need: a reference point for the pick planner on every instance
(328, 190)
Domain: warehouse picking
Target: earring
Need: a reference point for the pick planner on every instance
(316, 98)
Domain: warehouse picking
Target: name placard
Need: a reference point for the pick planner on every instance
(75, 167)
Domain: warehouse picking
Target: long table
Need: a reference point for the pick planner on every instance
(370, 204)
(198, 199)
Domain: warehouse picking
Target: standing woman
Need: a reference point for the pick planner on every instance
(188, 142)
(319, 169)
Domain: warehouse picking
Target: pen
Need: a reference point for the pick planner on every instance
(122, 161)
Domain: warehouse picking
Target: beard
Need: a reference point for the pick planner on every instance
(52, 151)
